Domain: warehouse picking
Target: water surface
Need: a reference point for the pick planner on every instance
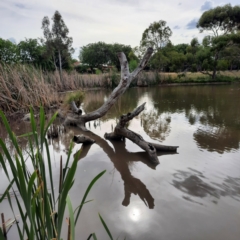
(194, 194)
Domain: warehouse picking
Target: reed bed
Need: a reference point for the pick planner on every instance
(22, 86)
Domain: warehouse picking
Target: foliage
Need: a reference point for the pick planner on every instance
(8, 51)
(77, 96)
(58, 43)
(220, 20)
(41, 211)
(95, 55)
(156, 35)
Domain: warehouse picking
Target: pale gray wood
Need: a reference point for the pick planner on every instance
(126, 79)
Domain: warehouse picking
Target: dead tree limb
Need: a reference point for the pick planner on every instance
(126, 79)
(121, 131)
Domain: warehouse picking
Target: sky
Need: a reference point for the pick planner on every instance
(110, 21)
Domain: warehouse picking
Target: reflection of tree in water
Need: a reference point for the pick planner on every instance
(216, 107)
(121, 160)
(155, 125)
(95, 99)
(192, 184)
(216, 139)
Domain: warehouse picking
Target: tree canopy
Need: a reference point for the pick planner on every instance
(100, 53)
(156, 35)
(58, 43)
(220, 20)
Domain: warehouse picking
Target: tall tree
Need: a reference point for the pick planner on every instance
(57, 41)
(100, 53)
(156, 35)
(222, 22)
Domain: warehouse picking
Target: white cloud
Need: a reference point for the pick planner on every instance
(121, 21)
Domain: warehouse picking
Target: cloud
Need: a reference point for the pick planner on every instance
(20, 5)
(192, 24)
(206, 6)
(176, 27)
(180, 4)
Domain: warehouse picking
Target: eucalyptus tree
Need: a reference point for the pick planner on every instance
(58, 43)
(156, 35)
(222, 23)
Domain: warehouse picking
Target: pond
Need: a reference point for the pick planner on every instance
(193, 194)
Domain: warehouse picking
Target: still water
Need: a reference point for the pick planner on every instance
(194, 194)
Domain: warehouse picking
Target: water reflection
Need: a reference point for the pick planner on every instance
(194, 183)
(122, 160)
(214, 110)
(156, 126)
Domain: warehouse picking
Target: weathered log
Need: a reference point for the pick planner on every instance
(126, 79)
(121, 131)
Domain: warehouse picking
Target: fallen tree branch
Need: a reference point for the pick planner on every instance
(126, 79)
(121, 132)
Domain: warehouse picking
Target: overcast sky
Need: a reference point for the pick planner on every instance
(111, 21)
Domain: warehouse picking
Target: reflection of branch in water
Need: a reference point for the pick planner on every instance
(121, 158)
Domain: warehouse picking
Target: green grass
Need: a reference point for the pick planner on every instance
(41, 209)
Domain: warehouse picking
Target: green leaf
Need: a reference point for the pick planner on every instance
(105, 226)
(71, 216)
(6, 191)
(86, 193)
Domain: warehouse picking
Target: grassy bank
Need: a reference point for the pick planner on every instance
(25, 86)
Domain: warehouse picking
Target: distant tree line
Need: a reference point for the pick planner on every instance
(219, 50)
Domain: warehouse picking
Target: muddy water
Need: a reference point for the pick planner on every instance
(194, 194)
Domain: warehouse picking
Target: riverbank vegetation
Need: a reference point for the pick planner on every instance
(41, 208)
(33, 72)
(23, 86)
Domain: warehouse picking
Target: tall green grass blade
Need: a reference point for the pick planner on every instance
(2, 162)
(42, 125)
(105, 226)
(1, 234)
(86, 193)
(50, 122)
(50, 169)
(71, 216)
(30, 185)
(29, 134)
(6, 191)
(82, 205)
(94, 236)
(65, 189)
(68, 158)
(34, 128)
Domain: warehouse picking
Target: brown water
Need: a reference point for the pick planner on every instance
(194, 194)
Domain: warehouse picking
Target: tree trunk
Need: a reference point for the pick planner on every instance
(60, 65)
(215, 65)
(126, 79)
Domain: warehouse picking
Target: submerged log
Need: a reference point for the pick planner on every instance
(126, 79)
(121, 132)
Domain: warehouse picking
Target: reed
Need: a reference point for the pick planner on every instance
(41, 209)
